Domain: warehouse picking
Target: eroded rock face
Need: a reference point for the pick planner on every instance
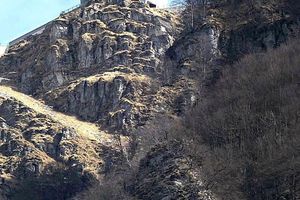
(117, 64)
(25, 133)
(116, 99)
(104, 37)
(98, 37)
(193, 55)
(186, 59)
(31, 142)
(101, 63)
(253, 38)
(165, 173)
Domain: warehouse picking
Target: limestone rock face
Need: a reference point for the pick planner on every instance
(116, 99)
(189, 60)
(102, 39)
(101, 63)
(33, 139)
(107, 71)
(220, 45)
(91, 40)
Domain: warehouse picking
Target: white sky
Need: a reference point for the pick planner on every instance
(160, 3)
(2, 50)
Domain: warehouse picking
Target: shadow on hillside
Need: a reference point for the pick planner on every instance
(57, 183)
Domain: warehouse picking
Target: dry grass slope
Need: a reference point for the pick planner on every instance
(85, 129)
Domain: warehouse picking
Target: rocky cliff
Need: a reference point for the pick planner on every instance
(101, 63)
(105, 56)
(102, 86)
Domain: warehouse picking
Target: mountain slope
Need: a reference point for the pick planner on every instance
(105, 55)
(100, 63)
(247, 144)
(115, 82)
(85, 129)
(34, 138)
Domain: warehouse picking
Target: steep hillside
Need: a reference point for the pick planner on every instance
(100, 63)
(117, 100)
(105, 55)
(34, 138)
(247, 143)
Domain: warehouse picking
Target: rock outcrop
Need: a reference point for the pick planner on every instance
(102, 63)
(34, 138)
(90, 41)
(106, 75)
(117, 48)
(165, 173)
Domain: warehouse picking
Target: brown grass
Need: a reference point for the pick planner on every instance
(85, 129)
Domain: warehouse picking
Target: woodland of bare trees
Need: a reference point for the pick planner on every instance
(244, 132)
